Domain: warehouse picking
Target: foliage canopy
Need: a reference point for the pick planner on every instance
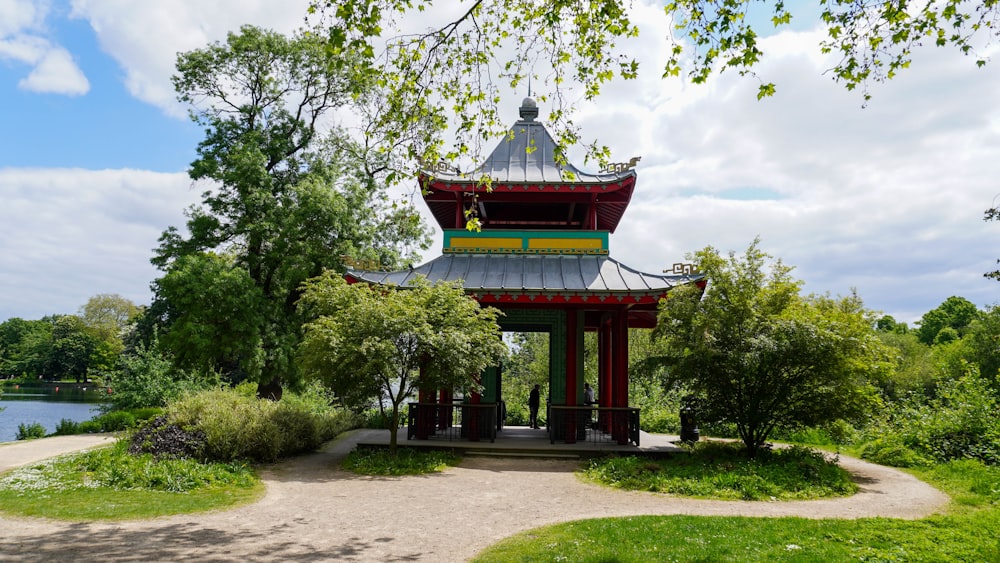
(437, 64)
(286, 200)
(760, 356)
(373, 343)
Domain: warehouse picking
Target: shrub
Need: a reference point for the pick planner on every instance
(146, 413)
(30, 431)
(959, 423)
(67, 427)
(660, 419)
(237, 425)
(115, 421)
(167, 441)
(891, 451)
(145, 378)
(89, 427)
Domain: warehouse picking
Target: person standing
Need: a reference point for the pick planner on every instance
(534, 400)
(588, 394)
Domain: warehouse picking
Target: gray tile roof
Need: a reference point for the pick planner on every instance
(527, 155)
(532, 272)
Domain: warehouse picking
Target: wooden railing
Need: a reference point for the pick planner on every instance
(458, 421)
(573, 424)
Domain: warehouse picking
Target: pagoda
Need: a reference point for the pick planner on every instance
(542, 257)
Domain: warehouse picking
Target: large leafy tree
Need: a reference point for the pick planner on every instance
(454, 69)
(25, 346)
(952, 317)
(287, 198)
(72, 348)
(373, 343)
(760, 356)
(108, 317)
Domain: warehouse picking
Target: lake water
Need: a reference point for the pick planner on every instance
(46, 407)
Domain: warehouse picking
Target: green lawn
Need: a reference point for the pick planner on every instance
(110, 484)
(968, 532)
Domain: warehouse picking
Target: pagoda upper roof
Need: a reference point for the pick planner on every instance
(523, 177)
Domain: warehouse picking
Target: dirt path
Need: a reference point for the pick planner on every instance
(313, 511)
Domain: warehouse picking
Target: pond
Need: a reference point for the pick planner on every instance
(46, 406)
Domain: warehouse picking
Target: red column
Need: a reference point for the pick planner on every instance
(425, 414)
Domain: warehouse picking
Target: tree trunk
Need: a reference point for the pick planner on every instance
(393, 426)
(270, 390)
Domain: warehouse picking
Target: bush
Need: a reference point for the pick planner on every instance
(30, 431)
(145, 378)
(660, 419)
(893, 452)
(238, 426)
(167, 441)
(959, 423)
(89, 427)
(115, 421)
(67, 427)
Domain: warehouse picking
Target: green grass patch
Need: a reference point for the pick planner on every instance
(968, 532)
(111, 484)
(739, 539)
(404, 461)
(722, 471)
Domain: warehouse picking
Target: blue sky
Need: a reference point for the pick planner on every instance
(886, 199)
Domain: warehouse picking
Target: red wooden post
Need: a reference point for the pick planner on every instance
(425, 415)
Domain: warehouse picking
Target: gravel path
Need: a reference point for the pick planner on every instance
(313, 511)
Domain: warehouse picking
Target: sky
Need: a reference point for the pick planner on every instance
(884, 198)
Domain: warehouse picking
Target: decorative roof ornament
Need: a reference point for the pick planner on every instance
(529, 109)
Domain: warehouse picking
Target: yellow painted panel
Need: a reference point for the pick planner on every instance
(486, 242)
(565, 243)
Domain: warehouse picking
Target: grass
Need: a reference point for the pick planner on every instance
(110, 484)
(721, 471)
(405, 461)
(968, 532)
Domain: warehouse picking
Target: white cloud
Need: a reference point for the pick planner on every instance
(22, 39)
(56, 73)
(887, 199)
(70, 234)
(145, 37)
(18, 15)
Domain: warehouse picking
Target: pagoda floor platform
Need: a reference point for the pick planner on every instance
(521, 441)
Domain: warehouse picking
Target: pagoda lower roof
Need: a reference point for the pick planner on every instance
(580, 276)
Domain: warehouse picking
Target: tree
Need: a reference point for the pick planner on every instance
(108, 317)
(373, 343)
(760, 356)
(955, 313)
(287, 200)
(984, 341)
(72, 348)
(454, 71)
(215, 316)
